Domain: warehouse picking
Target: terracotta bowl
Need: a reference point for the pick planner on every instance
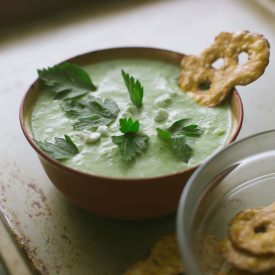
(120, 198)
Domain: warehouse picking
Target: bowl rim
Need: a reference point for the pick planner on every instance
(69, 169)
(180, 216)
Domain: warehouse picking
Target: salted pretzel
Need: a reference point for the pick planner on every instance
(209, 86)
(246, 261)
(164, 259)
(253, 230)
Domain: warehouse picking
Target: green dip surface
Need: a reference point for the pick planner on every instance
(161, 91)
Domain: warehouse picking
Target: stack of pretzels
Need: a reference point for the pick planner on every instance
(250, 246)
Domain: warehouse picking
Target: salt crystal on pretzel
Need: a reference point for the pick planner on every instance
(209, 86)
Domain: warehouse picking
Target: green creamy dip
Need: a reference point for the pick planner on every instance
(161, 91)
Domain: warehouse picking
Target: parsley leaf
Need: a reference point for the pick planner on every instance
(91, 112)
(131, 143)
(176, 135)
(191, 130)
(181, 148)
(62, 149)
(178, 125)
(127, 125)
(67, 80)
(164, 134)
(134, 87)
(92, 121)
(90, 105)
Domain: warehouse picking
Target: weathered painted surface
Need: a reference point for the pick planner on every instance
(62, 239)
(57, 237)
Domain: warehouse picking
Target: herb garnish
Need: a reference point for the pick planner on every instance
(91, 112)
(62, 149)
(176, 135)
(131, 143)
(67, 80)
(134, 87)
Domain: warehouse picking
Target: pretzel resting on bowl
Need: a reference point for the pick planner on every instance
(209, 86)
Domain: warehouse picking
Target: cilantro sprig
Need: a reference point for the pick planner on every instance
(134, 87)
(176, 135)
(91, 112)
(61, 149)
(67, 80)
(131, 143)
